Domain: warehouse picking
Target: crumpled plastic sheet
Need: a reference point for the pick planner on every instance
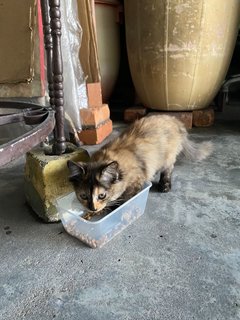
(75, 93)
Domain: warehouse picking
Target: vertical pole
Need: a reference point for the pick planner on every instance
(48, 47)
(59, 146)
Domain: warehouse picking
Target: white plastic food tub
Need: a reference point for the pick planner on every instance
(97, 233)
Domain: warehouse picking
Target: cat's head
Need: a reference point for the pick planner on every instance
(96, 184)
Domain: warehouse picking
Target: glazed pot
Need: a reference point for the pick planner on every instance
(179, 51)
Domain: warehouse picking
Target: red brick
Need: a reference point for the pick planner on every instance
(96, 135)
(134, 113)
(185, 117)
(94, 93)
(94, 116)
(203, 118)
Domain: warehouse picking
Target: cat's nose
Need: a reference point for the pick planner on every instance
(91, 207)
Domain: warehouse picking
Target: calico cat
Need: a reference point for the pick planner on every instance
(118, 171)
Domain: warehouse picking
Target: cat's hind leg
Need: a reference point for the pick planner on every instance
(165, 179)
(175, 147)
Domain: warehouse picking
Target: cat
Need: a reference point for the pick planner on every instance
(119, 169)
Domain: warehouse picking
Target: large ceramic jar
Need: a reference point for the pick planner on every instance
(179, 51)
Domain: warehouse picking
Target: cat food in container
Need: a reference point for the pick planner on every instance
(96, 233)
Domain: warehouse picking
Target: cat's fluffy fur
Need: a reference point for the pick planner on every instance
(118, 170)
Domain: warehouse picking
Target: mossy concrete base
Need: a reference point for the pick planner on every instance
(46, 179)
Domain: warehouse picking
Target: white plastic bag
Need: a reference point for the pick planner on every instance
(74, 84)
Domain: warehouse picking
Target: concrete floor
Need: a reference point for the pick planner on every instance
(180, 260)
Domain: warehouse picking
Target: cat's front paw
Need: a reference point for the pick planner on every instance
(164, 187)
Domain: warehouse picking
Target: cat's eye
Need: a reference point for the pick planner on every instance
(83, 196)
(101, 196)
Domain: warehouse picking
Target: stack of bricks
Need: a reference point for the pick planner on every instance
(195, 118)
(96, 122)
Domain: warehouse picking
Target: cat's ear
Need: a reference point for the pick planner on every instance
(76, 170)
(110, 172)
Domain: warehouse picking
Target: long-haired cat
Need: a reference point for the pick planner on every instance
(118, 171)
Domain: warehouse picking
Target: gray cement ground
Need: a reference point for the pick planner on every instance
(180, 260)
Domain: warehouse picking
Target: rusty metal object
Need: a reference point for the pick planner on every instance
(45, 120)
(42, 119)
(59, 146)
(49, 52)
(48, 47)
(52, 40)
(29, 116)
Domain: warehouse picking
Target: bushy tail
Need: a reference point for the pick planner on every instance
(197, 151)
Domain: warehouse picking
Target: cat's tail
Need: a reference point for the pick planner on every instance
(197, 151)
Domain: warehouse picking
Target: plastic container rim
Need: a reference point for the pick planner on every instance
(146, 187)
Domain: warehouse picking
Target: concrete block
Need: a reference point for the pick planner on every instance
(94, 135)
(46, 179)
